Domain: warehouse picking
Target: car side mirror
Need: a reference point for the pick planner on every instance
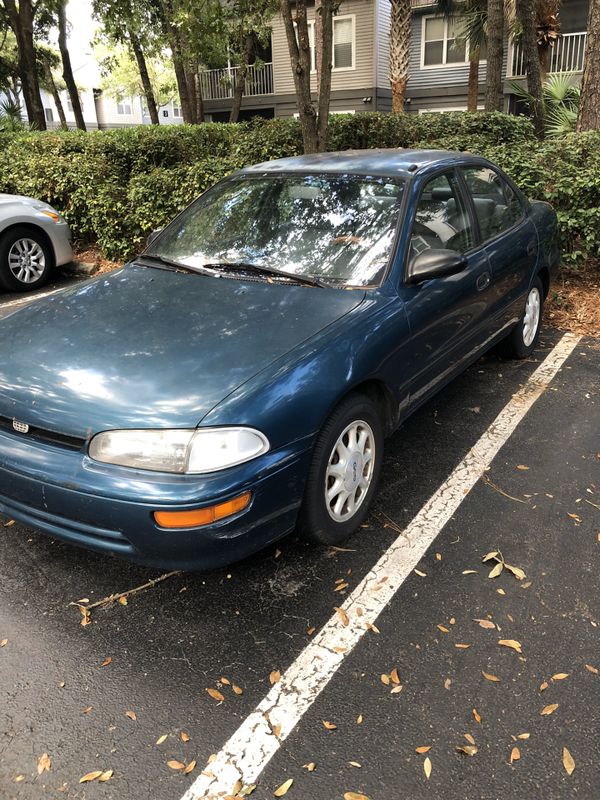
(152, 236)
(436, 263)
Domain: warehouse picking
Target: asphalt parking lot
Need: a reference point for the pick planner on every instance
(127, 693)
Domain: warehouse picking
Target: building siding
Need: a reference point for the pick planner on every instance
(359, 77)
(383, 19)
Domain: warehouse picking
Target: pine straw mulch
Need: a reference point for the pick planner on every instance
(572, 305)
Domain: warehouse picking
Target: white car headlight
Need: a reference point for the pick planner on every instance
(182, 451)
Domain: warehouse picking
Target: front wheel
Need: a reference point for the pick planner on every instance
(25, 260)
(522, 340)
(344, 472)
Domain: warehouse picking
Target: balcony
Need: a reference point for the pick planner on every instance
(567, 55)
(219, 84)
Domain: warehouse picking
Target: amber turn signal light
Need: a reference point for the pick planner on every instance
(202, 516)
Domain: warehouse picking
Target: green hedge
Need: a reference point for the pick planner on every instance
(115, 186)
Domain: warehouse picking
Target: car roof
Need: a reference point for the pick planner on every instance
(383, 161)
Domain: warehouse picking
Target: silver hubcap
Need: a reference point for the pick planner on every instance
(349, 471)
(26, 260)
(531, 319)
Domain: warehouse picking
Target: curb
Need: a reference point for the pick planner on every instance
(79, 268)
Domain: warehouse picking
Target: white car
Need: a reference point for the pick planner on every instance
(34, 239)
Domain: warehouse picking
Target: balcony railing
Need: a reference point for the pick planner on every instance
(219, 84)
(567, 55)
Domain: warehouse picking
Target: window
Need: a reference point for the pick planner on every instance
(176, 111)
(70, 104)
(49, 115)
(343, 42)
(497, 205)
(441, 220)
(441, 43)
(124, 107)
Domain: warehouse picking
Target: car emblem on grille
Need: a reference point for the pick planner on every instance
(20, 427)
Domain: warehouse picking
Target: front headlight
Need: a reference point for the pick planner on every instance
(182, 451)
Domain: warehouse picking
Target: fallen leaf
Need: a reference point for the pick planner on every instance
(372, 627)
(283, 788)
(489, 556)
(591, 669)
(330, 726)
(385, 679)
(438, 556)
(215, 694)
(4, 642)
(500, 591)
(443, 629)
(447, 683)
(123, 602)
(341, 587)
(19, 778)
(106, 776)
(106, 662)
(276, 730)
(424, 749)
(489, 677)
(44, 764)
(469, 738)
(568, 761)
(185, 737)
(515, 754)
(310, 767)
(86, 618)
(173, 764)
(476, 715)
(394, 676)
(161, 739)
(421, 574)
(467, 749)
(355, 764)
(516, 571)
(190, 767)
(485, 623)
(396, 690)
(549, 709)
(543, 686)
(452, 621)
(310, 631)
(512, 643)
(427, 767)
(88, 709)
(462, 646)
(496, 570)
(522, 466)
(560, 676)
(237, 689)
(355, 796)
(469, 572)
(343, 616)
(523, 736)
(131, 714)
(359, 719)
(274, 677)
(225, 681)
(91, 776)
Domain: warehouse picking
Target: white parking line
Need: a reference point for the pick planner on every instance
(252, 746)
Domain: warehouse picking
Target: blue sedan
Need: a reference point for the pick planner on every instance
(237, 380)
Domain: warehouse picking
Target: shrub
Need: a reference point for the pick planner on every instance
(115, 186)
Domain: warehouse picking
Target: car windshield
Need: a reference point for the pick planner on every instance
(336, 229)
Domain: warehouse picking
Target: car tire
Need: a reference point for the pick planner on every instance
(340, 487)
(523, 339)
(25, 259)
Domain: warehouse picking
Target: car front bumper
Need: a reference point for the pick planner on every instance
(60, 236)
(61, 492)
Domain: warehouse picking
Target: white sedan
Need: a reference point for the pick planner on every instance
(34, 239)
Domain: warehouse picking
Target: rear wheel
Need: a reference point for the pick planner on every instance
(523, 339)
(25, 259)
(344, 471)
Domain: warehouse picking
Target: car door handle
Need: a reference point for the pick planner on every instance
(483, 281)
(531, 249)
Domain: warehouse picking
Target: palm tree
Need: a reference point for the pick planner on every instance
(560, 102)
(399, 51)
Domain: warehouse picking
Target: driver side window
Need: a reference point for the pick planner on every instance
(441, 220)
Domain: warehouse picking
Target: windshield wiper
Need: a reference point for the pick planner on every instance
(247, 266)
(166, 263)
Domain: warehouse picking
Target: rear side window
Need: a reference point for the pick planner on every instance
(441, 219)
(497, 206)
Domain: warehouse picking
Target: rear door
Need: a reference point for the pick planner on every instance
(448, 316)
(508, 236)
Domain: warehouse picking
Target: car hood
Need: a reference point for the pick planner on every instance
(11, 199)
(144, 347)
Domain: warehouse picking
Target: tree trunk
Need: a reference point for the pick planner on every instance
(589, 108)
(172, 35)
(21, 22)
(55, 95)
(473, 91)
(325, 48)
(240, 79)
(494, 98)
(399, 51)
(67, 68)
(543, 57)
(526, 15)
(299, 49)
(143, 70)
(198, 98)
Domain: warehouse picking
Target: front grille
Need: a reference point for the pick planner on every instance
(43, 435)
